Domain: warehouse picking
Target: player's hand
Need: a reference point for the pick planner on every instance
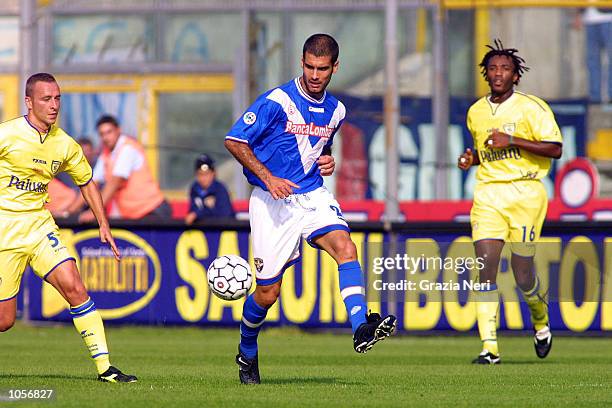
(280, 188)
(466, 159)
(327, 164)
(190, 218)
(107, 237)
(497, 140)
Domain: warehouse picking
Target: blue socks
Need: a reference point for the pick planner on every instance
(353, 292)
(351, 289)
(253, 317)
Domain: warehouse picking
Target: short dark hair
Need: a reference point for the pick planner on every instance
(107, 119)
(84, 141)
(39, 77)
(321, 45)
(519, 63)
(204, 162)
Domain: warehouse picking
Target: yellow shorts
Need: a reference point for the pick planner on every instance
(512, 211)
(28, 239)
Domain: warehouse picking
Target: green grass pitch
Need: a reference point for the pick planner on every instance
(195, 367)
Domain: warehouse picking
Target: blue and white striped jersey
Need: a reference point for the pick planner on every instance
(287, 130)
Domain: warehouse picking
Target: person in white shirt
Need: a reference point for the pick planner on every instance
(598, 29)
(129, 191)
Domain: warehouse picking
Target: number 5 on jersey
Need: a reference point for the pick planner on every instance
(53, 239)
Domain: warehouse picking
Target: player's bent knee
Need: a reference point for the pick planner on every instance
(524, 281)
(490, 269)
(490, 265)
(267, 299)
(6, 324)
(266, 296)
(75, 292)
(347, 251)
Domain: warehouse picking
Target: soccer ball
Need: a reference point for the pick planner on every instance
(229, 277)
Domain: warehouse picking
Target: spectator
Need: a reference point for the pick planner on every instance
(91, 154)
(61, 198)
(89, 150)
(207, 196)
(598, 27)
(129, 191)
(65, 199)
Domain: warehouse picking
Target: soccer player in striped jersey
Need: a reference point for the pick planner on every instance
(33, 150)
(515, 137)
(284, 142)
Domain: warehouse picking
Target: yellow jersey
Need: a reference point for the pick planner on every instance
(523, 116)
(29, 160)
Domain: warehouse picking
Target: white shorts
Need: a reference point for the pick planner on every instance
(277, 227)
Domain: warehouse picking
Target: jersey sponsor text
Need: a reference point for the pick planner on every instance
(27, 185)
(500, 154)
(309, 129)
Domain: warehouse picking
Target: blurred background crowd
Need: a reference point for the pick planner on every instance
(149, 89)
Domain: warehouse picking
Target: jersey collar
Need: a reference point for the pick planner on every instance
(305, 95)
(120, 142)
(495, 106)
(42, 136)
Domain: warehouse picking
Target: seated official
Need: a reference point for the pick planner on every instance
(207, 196)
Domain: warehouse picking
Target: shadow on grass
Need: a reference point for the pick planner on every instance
(48, 376)
(310, 380)
(529, 362)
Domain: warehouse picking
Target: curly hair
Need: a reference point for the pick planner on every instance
(498, 49)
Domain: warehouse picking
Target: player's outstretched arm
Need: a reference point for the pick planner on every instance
(91, 194)
(278, 187)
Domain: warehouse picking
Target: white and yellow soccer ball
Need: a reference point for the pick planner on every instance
(229, 277)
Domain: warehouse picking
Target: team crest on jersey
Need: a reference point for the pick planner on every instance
(258, 264)
(291, 109)
(249, 118)
(55, 165)
(509, 128)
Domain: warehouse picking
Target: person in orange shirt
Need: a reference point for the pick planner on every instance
(129, 191)
(64, 198)
(61, 198)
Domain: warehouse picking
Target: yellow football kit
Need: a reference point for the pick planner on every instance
(28, 233)
(510, 201)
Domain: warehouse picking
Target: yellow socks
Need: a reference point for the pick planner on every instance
(487, 307)
(537, 307)
(89, 324)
